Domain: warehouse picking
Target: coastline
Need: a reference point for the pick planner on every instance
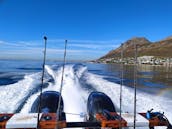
(143, 60)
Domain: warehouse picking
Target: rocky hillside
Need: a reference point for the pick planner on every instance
(161, 48)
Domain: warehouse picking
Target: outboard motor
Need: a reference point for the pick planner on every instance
(99, 102)
(49, 103)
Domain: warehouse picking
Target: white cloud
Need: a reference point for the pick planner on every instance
(95, 41)
(95, 46)
(4, 43)
(74, 43)
(89, 44)
(83, 41)
(75, 49)
(1, 42)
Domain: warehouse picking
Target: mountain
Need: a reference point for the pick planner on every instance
(160, 48)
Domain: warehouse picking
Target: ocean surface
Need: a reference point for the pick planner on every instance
(20, 85)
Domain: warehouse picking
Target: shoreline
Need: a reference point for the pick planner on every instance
(164, 65)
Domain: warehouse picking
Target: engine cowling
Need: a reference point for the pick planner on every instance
(49, 102)
(98, 102)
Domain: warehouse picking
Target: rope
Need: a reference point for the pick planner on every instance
(64, 62)
(135, 82)
(121, 84)
(42, 81)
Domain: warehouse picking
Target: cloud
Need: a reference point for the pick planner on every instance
(75, 49)
(94, 46)
(35, 43)
(72, 43)
(95, 41)
(82, 41)
(1, 42)
(4, 43)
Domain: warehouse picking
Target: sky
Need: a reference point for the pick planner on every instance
(92, 27)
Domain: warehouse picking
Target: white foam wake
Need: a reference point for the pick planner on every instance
(144, 101)
(13, 95)
(73, 95)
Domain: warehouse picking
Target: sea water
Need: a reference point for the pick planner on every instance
(20, 82)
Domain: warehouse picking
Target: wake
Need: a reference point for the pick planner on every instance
(144, 101)
(75, 94)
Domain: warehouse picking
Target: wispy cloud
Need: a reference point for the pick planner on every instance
(1, 42)
(94, 46)
(9, 44)
(55, 48)
(83, 41)
(35, 43)
(89, 44)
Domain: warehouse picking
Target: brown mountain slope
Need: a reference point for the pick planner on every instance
(161, 48)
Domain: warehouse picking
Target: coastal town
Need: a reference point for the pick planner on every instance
(148, 60)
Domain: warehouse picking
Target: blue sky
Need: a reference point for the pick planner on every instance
(92, 27)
